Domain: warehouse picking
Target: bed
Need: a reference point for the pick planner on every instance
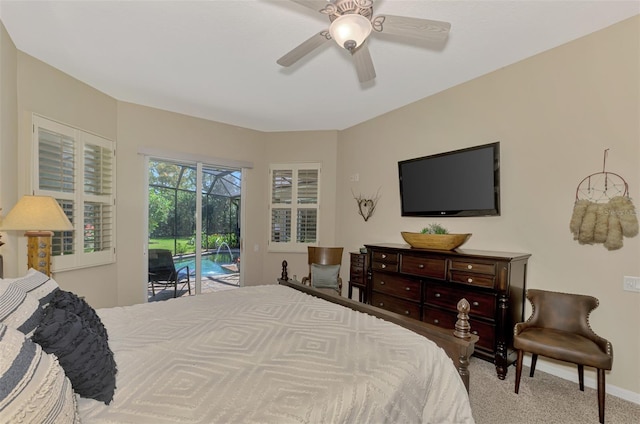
(276, 354)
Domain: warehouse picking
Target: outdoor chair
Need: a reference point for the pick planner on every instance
(163, 272)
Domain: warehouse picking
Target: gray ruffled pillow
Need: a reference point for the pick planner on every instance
(84, 355)
(71, 302)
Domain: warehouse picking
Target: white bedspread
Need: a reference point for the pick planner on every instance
(271, 354)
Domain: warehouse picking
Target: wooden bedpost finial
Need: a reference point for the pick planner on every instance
(284, 276)
(462, 328)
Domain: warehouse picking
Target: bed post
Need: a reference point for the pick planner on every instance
(463, 331)
(284, 276)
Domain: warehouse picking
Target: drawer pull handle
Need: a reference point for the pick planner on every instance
(406, 312)
(381, 304)
(474, 332)
(469, 266)
(382, 283)
(469, 280)
(407, 288)
(437, 295)
(475, 303)
(436, 321)
(421, 266)
(383, 266)
(384, 256)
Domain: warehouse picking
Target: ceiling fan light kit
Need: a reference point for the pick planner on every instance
(350, 31)
(352, 22)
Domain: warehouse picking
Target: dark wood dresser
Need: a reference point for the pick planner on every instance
(359, 265)
(427, 284)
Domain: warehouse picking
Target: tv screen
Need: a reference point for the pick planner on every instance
(463, 182)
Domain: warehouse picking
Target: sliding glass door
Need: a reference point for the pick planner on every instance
(194, 211)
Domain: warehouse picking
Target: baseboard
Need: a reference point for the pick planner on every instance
(572, 375)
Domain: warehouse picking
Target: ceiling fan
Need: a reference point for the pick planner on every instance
(351, 24)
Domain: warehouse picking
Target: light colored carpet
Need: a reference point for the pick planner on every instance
(542, 399)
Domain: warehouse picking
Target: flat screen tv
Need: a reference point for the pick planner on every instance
(463, 182)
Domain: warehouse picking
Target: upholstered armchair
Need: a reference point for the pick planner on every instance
(324, 268)
(559, 328)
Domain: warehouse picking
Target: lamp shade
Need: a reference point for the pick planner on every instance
(350, 30)
(36, 213)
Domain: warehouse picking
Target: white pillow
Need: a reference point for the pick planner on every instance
(33, 386)
(38, 285)
(18, 309)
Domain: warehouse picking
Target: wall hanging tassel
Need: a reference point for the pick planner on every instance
(588, 225)
(579, 209)
(614, 235)
(626, 213)
(602, 223)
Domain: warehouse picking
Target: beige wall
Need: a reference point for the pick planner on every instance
(8, 141)
(46, 91)
(311, 146)
(554, 115)
(143, 127)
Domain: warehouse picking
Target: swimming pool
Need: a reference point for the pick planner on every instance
(211, 264)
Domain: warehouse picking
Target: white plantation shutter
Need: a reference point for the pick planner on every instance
(77, 169)
(294, 206)
(56, 162)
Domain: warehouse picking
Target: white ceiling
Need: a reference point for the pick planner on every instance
(216, 59)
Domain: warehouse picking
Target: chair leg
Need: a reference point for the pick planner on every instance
(175, 289)
(534, 359)
(601, 394)
(581, 377)
(519, 370)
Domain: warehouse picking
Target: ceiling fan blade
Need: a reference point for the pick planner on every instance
(303, 49)
(316, 5)
(364, 63)
(422, 29)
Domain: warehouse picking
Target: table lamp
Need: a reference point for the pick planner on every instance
(39, 216)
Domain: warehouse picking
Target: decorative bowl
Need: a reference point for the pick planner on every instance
(435, 241)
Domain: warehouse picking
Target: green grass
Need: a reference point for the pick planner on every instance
(168, 243)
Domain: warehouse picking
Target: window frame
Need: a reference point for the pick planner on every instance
(293, 245)
(79, 258)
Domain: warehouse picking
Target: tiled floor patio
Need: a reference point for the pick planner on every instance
(209, 284)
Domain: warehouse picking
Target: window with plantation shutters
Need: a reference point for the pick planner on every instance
(77, 169)
(294, 206)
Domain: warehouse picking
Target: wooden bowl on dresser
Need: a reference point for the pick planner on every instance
(435, 241)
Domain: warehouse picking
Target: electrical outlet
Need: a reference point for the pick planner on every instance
(631, 284)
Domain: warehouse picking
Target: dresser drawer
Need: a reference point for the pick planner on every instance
(393, 304)
(444, 319)
(474, 267)
(424, 267)
(386, 257)
(357, 259)
(383, 266)
(482, 304)
(395, 285)
(480, 280)
(356, 273)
